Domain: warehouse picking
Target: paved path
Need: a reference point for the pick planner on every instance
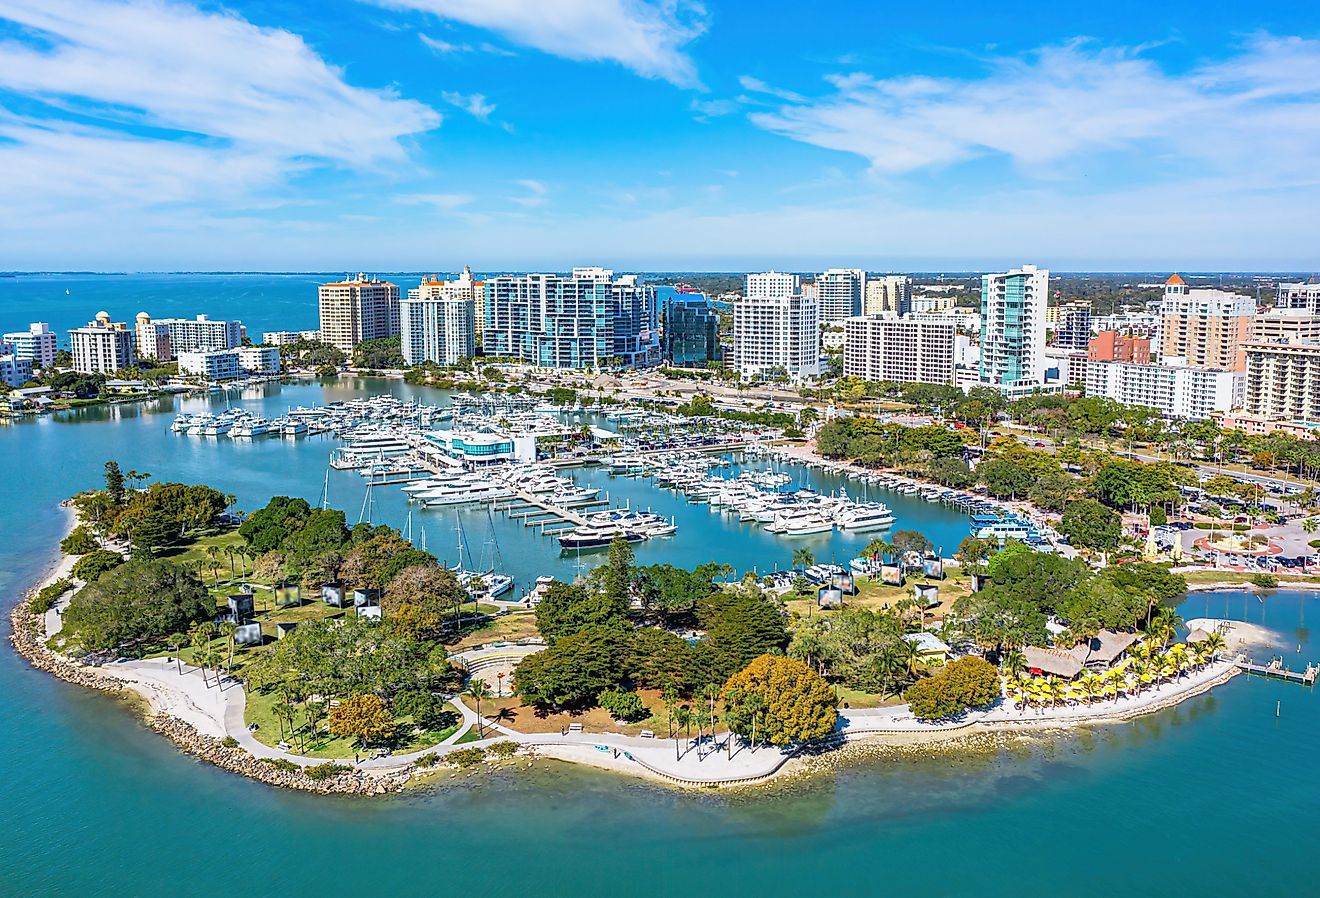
(219, 712)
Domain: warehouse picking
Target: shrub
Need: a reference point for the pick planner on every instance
(326, 771)
(282, 764)
(79, 541)
(430, 759)
(1158, 517)
(468, 757)
(95, 563)
(622, 705)
(963, 684)
(48, 595)
(503, 750)
(1264, 581)
(229, 742)
(1314, 544)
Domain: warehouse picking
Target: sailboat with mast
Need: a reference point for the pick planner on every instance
(485, 582)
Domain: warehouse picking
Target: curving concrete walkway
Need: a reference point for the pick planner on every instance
(723, 760)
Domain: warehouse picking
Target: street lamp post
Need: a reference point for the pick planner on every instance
(500, 678)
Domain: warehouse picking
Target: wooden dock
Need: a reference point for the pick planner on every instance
(1276, 669)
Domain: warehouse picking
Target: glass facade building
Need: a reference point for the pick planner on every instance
(690, 331)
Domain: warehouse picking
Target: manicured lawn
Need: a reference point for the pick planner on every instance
(1240, 577)
(527, 719)
(510, 628)
(260, 709)
(856, 698)
(873, 595)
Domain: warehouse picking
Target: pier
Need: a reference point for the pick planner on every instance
(535, 511)
(1276, 669)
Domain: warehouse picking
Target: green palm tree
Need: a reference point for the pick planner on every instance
(878, 548)
(231, 551)
(1012, 661)
(1118, 679)
(803, 558)
(176, 642)
(213, 553)
(478, 690)
(228, 629)
(1214, 644)
(199, 637)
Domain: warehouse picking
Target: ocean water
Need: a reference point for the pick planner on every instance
(263, 302)
(1216, 796)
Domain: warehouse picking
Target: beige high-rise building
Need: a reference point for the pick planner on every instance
(1287, 326)
(891, 293)
(358, 309)
(1283, 381)
(1204, 328)
(903, 350)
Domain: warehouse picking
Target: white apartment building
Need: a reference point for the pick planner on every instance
(212, 364)
(1066, 367)
(903, 350)
(1013, 328)
(15, 371)
(437, 325)
(358, 309)
(259, 359)
(163, 339)
(1299, 296)
(893, 293)
(102, 347)
(776, 335)
(1283, 381)
(773, 283)
(839, 293)
(36, 345)
(589, 319)
(288, 338)
(1176, 391)
(465, 286)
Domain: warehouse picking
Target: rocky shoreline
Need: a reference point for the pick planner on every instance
(26, 636)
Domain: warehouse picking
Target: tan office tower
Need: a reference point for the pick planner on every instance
(358, 309)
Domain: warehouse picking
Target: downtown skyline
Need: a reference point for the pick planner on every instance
(407, 134)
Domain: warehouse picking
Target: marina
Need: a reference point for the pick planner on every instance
(933, 797)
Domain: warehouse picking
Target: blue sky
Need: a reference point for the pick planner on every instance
(419, 134)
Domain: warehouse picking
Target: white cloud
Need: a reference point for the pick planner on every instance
(440, 45)
(708, 109)
(536, 193)
(474, 105)
(148, 102)
(1256, 113)
(446, 201)
(756, 85)
(646, 37)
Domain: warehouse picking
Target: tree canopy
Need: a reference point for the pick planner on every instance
(782, 699)
(139, 599)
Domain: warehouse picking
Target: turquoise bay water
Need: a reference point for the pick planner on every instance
(1214, 796)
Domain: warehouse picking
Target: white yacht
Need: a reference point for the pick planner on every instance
(865, 516)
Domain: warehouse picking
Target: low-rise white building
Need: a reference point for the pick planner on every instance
(15, 371)
(259, 359)
(287, 338)
(36, 344)
(1175, 390)
(904, 350)
(212, 364)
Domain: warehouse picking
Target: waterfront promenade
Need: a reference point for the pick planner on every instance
(219, 712)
